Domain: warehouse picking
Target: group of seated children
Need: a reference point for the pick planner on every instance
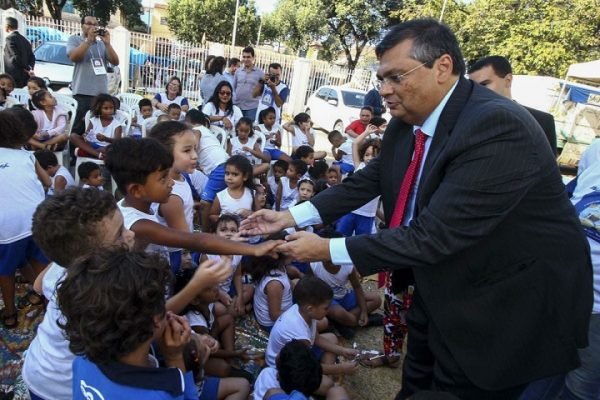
(161, 177)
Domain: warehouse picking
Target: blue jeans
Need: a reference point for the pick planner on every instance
(584, 382)
(250, 113)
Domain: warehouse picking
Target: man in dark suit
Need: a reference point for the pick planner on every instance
(502, 269)
(18, 56)
(495, 73)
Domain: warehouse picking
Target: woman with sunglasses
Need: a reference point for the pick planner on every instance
(220, 109)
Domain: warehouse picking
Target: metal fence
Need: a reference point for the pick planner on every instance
(153, 60)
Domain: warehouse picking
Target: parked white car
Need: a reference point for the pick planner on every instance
(54, 66)
(334, 107)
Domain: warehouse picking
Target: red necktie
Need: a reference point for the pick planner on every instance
(410, 178)
(406, 188)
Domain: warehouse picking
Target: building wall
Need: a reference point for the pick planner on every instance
(159, 25)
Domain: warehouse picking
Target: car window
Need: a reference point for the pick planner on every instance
(333, 95)
(53, 53)
(353, 99)
(322, 93)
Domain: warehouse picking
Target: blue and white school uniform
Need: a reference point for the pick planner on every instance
(270, 134)
(261, 302)
(338, 282)
(230, 205)
(108, 131)
(346, 163)
(289, 196)
(360, 221)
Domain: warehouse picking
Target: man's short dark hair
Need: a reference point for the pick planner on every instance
(83, 17)
(85, 169)
(275, 66)
(46, 158)
(132, 160)
(312, 291)
(332, 135)
(499, 64)
(12, 23)
(431, 40)
(233, 61)
(65, 226)
(298, 368)
(249, 50)
(110, 300)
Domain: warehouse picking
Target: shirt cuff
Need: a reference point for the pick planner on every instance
(338, 251)
(305, 214)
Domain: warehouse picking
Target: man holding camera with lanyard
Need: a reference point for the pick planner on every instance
(90, 56)
(273, 92)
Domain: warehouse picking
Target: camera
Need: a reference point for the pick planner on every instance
(100, 31)
(273, 78)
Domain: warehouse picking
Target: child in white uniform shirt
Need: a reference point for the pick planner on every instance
(313, 297)
(238, 197)
(67, 226)
(61, 177)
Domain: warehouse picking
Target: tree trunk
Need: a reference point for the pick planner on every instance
(55, 7)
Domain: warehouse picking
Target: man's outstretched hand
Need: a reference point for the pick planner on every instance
(264, 222)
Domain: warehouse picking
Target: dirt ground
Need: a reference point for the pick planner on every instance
(372, 383)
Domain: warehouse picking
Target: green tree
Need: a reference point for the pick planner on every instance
(340, 25)
(190, 20)
(103, 9)
(55, 7)
(539, 37)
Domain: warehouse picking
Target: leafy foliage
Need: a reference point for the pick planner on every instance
(191, 20)
(537, 36)
(339, 25)
(103, 9)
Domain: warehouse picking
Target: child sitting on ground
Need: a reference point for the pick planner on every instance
(306, 154)
(297, 377)
(34, 84)
(175, 113)
(341, 149)
(273, 293)
(233, 294)
(90, 175)
(333, 177)
(313, 297)
(51, 120)
(103, 128)
(350, 307)
(207, 316)
(61, 177)
(245, 143)
(178, 211)
(66, 226)
(114, 308)
(140, 167)
(144, 113)
(287, 190)
(272, 131)
(238, 197)
(279, 168)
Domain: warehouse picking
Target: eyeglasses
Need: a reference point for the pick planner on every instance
(174, 84)
(91, 23)
(396, 79)
(225, 93)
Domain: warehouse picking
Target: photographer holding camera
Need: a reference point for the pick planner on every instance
(272, 90)
(90, 51)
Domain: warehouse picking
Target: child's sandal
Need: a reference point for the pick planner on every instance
(381, 361)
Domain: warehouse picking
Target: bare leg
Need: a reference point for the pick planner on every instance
(338, 314)
(234, 389)
(337, 393)
(204, 213)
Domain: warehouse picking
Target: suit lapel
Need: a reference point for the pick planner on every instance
(444, 128)
(403, 151)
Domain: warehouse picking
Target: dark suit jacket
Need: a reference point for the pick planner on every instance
(497, 252)
(18, 58)
(546, 121)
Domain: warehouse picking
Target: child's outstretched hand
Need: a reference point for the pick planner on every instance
(267, 247)
(242, 354)
(176, 335)
(224, 298)
(211, 272)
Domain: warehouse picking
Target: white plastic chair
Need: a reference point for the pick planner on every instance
(65, 99)
(131, 100)
(21, 95)
(71, 110)
(220, 134)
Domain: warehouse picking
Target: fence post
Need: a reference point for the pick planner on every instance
(120, 40)
(300, 79)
